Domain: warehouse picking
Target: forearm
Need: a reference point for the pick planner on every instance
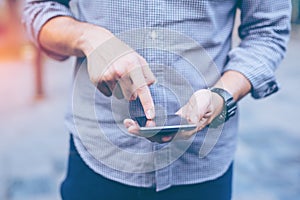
(235, 83)
(64, 36)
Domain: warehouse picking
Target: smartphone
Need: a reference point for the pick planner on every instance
(164, 125)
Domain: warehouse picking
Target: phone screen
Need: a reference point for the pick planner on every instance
(164, 124)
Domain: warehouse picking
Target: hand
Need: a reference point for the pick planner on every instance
(201, 109)
(133, 127)
(118, 70)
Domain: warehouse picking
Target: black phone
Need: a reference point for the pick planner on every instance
(164, 125)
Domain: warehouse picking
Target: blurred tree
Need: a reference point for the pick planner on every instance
(12, 6)
(15, 40)
(296, 11)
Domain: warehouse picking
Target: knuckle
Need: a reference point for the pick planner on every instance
(132, 56)
(133, 61)
(143, 92)
(105, 76)
(94, 79)
(126, 62)
(133, 96)
(118, 72)
(192, 134)
(196, 96)
(186, 135)
(143, 61)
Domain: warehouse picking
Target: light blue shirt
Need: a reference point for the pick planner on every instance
(179, 39)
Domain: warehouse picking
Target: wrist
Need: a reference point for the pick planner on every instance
(218, 103)
(90, 38)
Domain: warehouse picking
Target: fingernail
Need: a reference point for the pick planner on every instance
(166, 138)
(150, 123)
(150, 114)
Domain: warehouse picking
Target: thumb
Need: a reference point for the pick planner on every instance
(179, 112)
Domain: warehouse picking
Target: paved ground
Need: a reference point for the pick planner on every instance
(268, 156)
(33, 139)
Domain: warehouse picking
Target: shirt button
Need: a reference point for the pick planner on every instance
(153, 35)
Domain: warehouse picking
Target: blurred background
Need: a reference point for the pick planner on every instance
(34, 91)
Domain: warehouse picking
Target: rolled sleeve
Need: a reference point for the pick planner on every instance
(38, 12)
(264, 31)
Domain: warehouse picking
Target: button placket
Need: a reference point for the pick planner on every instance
(154, 41)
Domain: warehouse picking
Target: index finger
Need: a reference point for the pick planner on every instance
(146, 100)
(143, 92)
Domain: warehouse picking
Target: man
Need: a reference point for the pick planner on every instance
(162, 57)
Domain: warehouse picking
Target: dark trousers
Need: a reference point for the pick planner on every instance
(82, 183)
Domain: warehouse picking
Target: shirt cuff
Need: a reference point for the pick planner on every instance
(261, 78)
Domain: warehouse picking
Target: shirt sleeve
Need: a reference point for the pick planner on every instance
(264, 32)
(38, 12)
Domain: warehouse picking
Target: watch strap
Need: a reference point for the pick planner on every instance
(229, 107)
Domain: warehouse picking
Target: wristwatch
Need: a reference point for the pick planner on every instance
(229, 107)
